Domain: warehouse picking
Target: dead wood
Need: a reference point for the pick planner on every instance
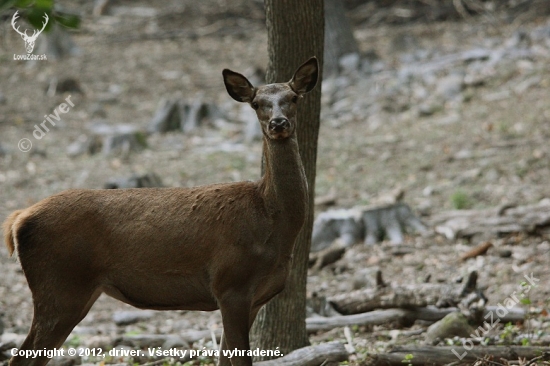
(326, 256)
(369, 224)
(390, 221)
(492, 222)
(407, 296)
(323, 354)
(378, 317)
(192, 336)
(479, 250)
(403, 316)
(430, 355)
(403, 11)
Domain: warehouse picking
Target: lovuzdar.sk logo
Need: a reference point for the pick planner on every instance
(29, 40)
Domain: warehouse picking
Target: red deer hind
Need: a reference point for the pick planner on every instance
(224, 246)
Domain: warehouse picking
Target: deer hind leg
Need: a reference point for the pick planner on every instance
(224, 360)
(236, 312)
(54, 319)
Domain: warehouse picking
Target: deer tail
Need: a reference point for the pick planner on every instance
(9, 231)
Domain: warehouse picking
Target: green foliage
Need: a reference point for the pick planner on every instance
(525, 301)
(408, 358)
(460, 200)
(449, 342)
(132, 333)
(141, 139)
(73, 342)
(33, 12)
(508, 333)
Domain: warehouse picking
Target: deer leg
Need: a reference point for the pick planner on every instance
(225, 361)
(236, 324)
(53, 321)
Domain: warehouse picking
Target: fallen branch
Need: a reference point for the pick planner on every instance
(493, 222)
(311, 356)
(327, 256)
(479, 250)
(192, 336)
(378, 317)
(402, 316)
(430, 355)
(408, 296)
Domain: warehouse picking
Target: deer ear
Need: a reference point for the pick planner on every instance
(238, 86)
(305, 78)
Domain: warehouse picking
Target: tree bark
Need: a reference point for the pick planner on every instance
(295, 33)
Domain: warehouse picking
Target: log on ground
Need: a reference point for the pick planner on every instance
(430, 355)
(405, 316)
(319, 323)
(492, 222)
(322, 354)
(407, 296)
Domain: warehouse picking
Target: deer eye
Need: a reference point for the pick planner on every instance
(295, 99)
(255, 105)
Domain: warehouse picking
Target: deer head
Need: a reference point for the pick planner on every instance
(29, 40)
(275, 104)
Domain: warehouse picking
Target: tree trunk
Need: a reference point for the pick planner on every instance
(295, 33)
(339, 38)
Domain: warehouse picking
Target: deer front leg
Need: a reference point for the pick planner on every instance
(236, 315)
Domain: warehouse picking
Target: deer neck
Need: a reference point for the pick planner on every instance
(284, 184)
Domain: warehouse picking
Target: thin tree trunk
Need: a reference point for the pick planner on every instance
(295, 33)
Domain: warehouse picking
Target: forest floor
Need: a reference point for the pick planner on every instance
(477, 143)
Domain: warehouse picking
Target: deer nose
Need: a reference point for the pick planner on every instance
(279, 124)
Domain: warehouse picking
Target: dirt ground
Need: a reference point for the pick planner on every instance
(485, 148)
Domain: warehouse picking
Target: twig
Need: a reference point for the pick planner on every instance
(545, 356)
(479, 250)
(461, 9)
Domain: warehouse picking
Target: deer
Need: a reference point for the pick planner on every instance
(29, 40)
(226, 246)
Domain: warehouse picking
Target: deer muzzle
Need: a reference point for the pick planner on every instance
(279, 124)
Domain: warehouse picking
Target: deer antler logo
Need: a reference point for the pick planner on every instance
(29, 40)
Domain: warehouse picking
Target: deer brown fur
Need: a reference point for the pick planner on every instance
(224, 246)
